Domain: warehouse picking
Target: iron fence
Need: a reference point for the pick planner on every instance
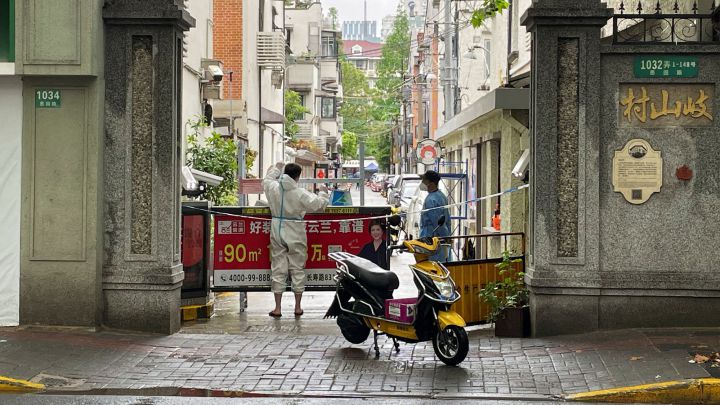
(651, 24)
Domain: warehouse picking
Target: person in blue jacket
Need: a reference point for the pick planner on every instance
(434, 207)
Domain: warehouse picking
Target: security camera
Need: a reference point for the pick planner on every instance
(207, 178)
(189, 181)
(191, 186)
(521, 165)
(216, 72)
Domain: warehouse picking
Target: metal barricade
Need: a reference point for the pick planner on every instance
(472, 274)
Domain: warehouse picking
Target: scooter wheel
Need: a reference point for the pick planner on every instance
(353, 328)
(451, 345)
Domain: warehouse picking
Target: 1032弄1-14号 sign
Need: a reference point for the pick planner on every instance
(666, 66)
(48, 98)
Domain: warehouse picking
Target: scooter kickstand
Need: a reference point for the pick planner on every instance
(397, 345)
(377, 349)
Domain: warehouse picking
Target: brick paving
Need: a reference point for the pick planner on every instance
(250, 352)
(327, 364)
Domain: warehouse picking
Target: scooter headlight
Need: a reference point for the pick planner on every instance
(446, 287)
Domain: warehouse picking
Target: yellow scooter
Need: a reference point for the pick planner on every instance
(363, 302)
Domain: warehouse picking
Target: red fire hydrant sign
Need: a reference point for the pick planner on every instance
(241, 254)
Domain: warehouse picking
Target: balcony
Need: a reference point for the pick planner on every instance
(305, 130)
(271, 50)
(329, 128)
(329, 70)
(302, 76)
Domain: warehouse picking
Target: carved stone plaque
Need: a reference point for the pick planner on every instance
(657, 105)
(637, 171)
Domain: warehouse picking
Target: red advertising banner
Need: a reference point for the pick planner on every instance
(242, 255)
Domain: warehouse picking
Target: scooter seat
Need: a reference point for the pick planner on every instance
(371, 275)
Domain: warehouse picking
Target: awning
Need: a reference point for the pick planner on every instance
(270, 117)
(501, 98)
(371, 166)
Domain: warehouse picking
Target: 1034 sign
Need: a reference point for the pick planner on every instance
(48, 98)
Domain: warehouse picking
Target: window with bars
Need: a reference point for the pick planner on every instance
(327, 107)
(329, 45)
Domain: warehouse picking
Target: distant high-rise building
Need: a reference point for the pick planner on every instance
(360, 30)
(388, 22)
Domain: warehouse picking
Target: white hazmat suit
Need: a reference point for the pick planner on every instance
(288, 239)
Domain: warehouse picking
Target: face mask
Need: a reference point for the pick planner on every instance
(423, 187)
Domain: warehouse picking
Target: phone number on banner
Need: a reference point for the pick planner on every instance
(244, 278)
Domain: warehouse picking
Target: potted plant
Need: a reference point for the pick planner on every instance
(508, 300)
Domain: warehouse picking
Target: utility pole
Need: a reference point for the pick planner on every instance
(448, 88)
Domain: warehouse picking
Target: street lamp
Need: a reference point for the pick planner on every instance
(470, 54)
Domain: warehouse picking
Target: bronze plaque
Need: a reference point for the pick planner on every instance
(637, 171)
(666, 105)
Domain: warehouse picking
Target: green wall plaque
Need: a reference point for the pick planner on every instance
(666, 66)
(48, 98)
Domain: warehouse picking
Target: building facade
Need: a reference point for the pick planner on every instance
(253, 106)
(314, 73)
(365, 56)
(360, 30)
(11, 115)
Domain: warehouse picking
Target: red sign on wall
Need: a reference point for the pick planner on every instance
(242, 255)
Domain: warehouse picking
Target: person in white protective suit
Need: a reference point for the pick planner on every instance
(288, 240)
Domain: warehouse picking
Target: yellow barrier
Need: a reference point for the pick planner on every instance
(470, 277)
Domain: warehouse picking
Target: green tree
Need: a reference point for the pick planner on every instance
(333, 16)
(488, 9)
(218, 156)
(388, 97)
(356, 107)
(294, 110)
(349, 145)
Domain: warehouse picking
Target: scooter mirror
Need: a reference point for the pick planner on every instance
(441, 221)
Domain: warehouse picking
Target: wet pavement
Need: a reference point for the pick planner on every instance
(248, 353)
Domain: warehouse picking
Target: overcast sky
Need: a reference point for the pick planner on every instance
(351, 10)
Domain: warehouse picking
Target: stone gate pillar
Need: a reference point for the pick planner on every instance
(563, 260)
(142, 273)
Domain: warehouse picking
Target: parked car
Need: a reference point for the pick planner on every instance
(389, 180)
(405, 192)
(396, 186)
(378, 182)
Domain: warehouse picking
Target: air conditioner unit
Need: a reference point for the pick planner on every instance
(271, 50)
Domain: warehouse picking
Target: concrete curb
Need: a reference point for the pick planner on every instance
(696, 391)
(12, 385)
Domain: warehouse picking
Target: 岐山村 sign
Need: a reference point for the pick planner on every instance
(653, 105)
(48, 98)
(666, 66)
(241, 254)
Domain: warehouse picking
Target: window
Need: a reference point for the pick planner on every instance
(7, 30)
(329, 45)
(327, 107)
(488, 55)
(261, 21)
(357, 49)
(288, 35)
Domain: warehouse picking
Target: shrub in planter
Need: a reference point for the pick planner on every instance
(508, 300)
